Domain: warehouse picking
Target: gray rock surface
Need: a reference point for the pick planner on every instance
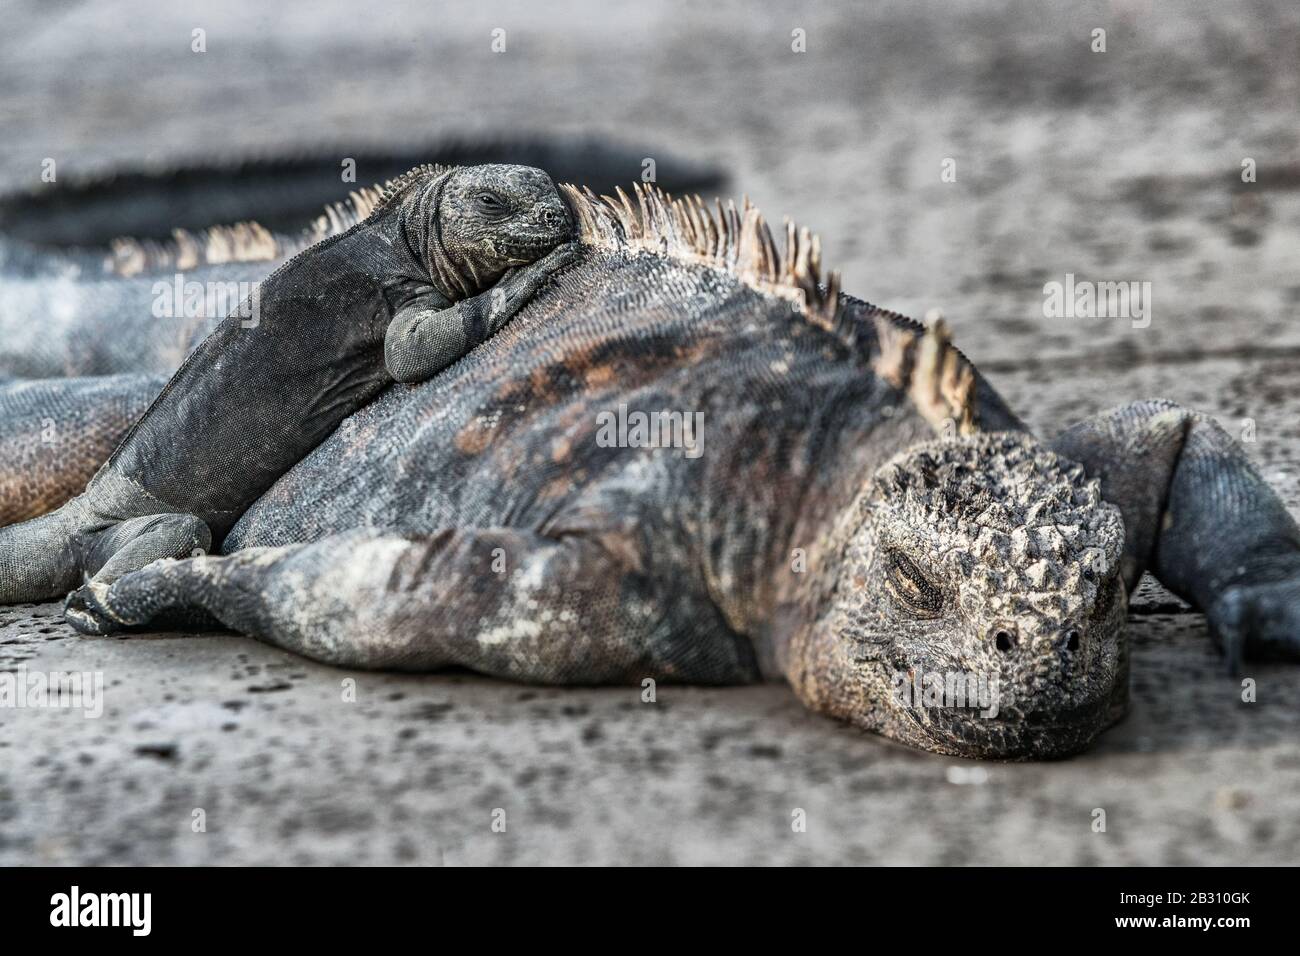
(1123, 165)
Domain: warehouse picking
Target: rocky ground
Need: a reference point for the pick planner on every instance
(1123, 165)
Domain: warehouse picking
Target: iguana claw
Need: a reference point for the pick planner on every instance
(85, 612)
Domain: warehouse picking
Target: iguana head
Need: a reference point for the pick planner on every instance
(469, 224)
(979, 610)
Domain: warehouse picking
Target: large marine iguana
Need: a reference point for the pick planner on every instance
(825, 536)
(398, 296)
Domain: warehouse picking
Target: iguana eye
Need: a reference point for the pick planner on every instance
(490, 203)
(910, 585)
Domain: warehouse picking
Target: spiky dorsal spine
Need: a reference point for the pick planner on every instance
(394, 187)
(939, 380)
(926, 365)
(736, 240)
(185, 250)
(253, 242)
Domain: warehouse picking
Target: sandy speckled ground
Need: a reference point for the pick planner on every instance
(1120, 165)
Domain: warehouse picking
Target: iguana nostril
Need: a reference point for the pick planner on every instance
(1072, 640)
(1005, 640)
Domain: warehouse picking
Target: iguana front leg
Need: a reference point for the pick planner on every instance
(1200, 517)
(504, 602)
(426, 335)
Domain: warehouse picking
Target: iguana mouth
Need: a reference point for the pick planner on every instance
(1034, 735)
(526, 251)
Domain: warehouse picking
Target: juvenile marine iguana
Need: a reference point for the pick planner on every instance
(115, 315)
(825, 535)
(142, 307)
(398, 296)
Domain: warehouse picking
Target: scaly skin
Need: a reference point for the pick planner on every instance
(56, 433)
(404, 287)
(823, 535)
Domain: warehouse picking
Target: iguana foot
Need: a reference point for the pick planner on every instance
(124, 547)
(84, 611)
(423, 339)
(133, 600)
(1259, 619)
(1199, 516)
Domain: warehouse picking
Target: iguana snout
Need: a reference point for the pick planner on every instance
(981, 612)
